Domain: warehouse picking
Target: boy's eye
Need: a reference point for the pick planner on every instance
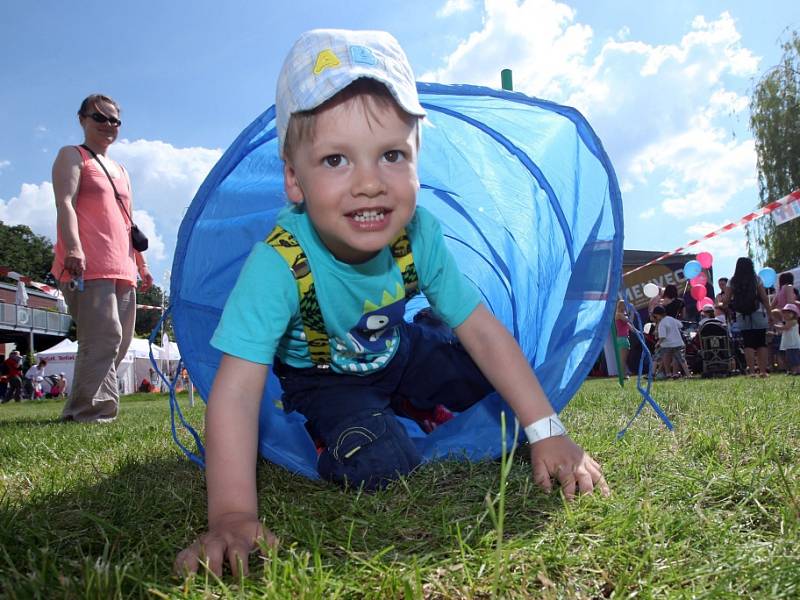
(393, 156)
(334, 160)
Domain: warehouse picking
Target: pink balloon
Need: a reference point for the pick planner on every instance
(705, 259)
(701, 279)
(698, 292)
(703, 302)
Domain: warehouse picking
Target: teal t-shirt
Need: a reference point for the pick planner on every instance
(362, 304)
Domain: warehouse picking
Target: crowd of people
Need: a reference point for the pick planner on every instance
(20, 380)
(761, 324)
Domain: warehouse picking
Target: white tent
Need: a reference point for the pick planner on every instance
(141, 350)
(141, 360)
(61, 359)
(173, 352)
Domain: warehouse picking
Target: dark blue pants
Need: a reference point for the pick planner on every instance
(353, 415)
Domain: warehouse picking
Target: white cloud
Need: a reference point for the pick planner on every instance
(155, 247)
(164, 180)
(34, 207)
(647, 214)
(662, 111)
(730, 244)
(702, 171)
(41, 129)
(534, 38)
(4, 164)
(452, 7)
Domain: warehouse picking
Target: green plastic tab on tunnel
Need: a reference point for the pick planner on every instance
(506, 80)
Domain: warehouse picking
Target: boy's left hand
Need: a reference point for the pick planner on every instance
(562, 459)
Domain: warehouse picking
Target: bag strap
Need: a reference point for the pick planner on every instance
(111, 181)
(310, 312)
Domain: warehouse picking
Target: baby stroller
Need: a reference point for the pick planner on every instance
(714, 349)
(691, 341)
(51, 387)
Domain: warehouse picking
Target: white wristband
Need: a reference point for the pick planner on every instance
(545, 428)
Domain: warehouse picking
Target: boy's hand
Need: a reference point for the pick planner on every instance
(232, 538)
(561, 458)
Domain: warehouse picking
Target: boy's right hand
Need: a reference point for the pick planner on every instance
(559, 458)
(232, 538)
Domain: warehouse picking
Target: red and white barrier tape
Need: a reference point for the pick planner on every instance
(763, 211)
(47, 289)
(147, 307)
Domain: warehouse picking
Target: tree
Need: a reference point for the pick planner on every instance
(775, 123)
(147, 319)
(25, 252)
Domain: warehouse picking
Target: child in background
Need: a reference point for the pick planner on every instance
(707, 313)
(348, 121)
(790, 338)
(37, 388)
(623, 327)
(57, 388)
(670, 343)
(719, 314)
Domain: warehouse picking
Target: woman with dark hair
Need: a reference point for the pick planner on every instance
(787, 293)
(675, 307)
(746, 296)
(95, 263)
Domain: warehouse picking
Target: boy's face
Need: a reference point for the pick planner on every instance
(357, 174)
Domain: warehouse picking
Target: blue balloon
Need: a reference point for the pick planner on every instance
(692, 269)
(768, 276)
(530, 208)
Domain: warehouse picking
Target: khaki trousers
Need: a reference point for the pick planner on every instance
(105, 315)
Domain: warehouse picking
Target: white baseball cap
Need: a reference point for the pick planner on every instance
(322, 62)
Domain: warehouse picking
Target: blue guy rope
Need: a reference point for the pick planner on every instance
(199, 457)
(647, 398)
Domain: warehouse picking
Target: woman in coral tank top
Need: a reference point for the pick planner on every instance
(95, 263)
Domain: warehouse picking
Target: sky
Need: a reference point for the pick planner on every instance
(665, 85)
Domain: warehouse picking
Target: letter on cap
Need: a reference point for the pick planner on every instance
(362, 55)
(326, 60)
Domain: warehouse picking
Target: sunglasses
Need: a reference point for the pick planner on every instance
(101, 118)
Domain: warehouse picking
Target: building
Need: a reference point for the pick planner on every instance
(30, 328)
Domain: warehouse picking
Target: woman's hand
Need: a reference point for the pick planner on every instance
(232, 538)
(562, 459)
(75, 262)
(147, 277)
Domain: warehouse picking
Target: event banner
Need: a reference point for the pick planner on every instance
(668, 271)
(786, 212)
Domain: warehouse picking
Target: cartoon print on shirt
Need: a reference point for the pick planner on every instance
(377, 325)
(376, 330)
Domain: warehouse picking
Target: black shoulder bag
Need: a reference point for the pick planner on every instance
(138, 239)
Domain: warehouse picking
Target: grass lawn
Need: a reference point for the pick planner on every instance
(710, 510)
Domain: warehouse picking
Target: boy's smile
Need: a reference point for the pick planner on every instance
(357, 173)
